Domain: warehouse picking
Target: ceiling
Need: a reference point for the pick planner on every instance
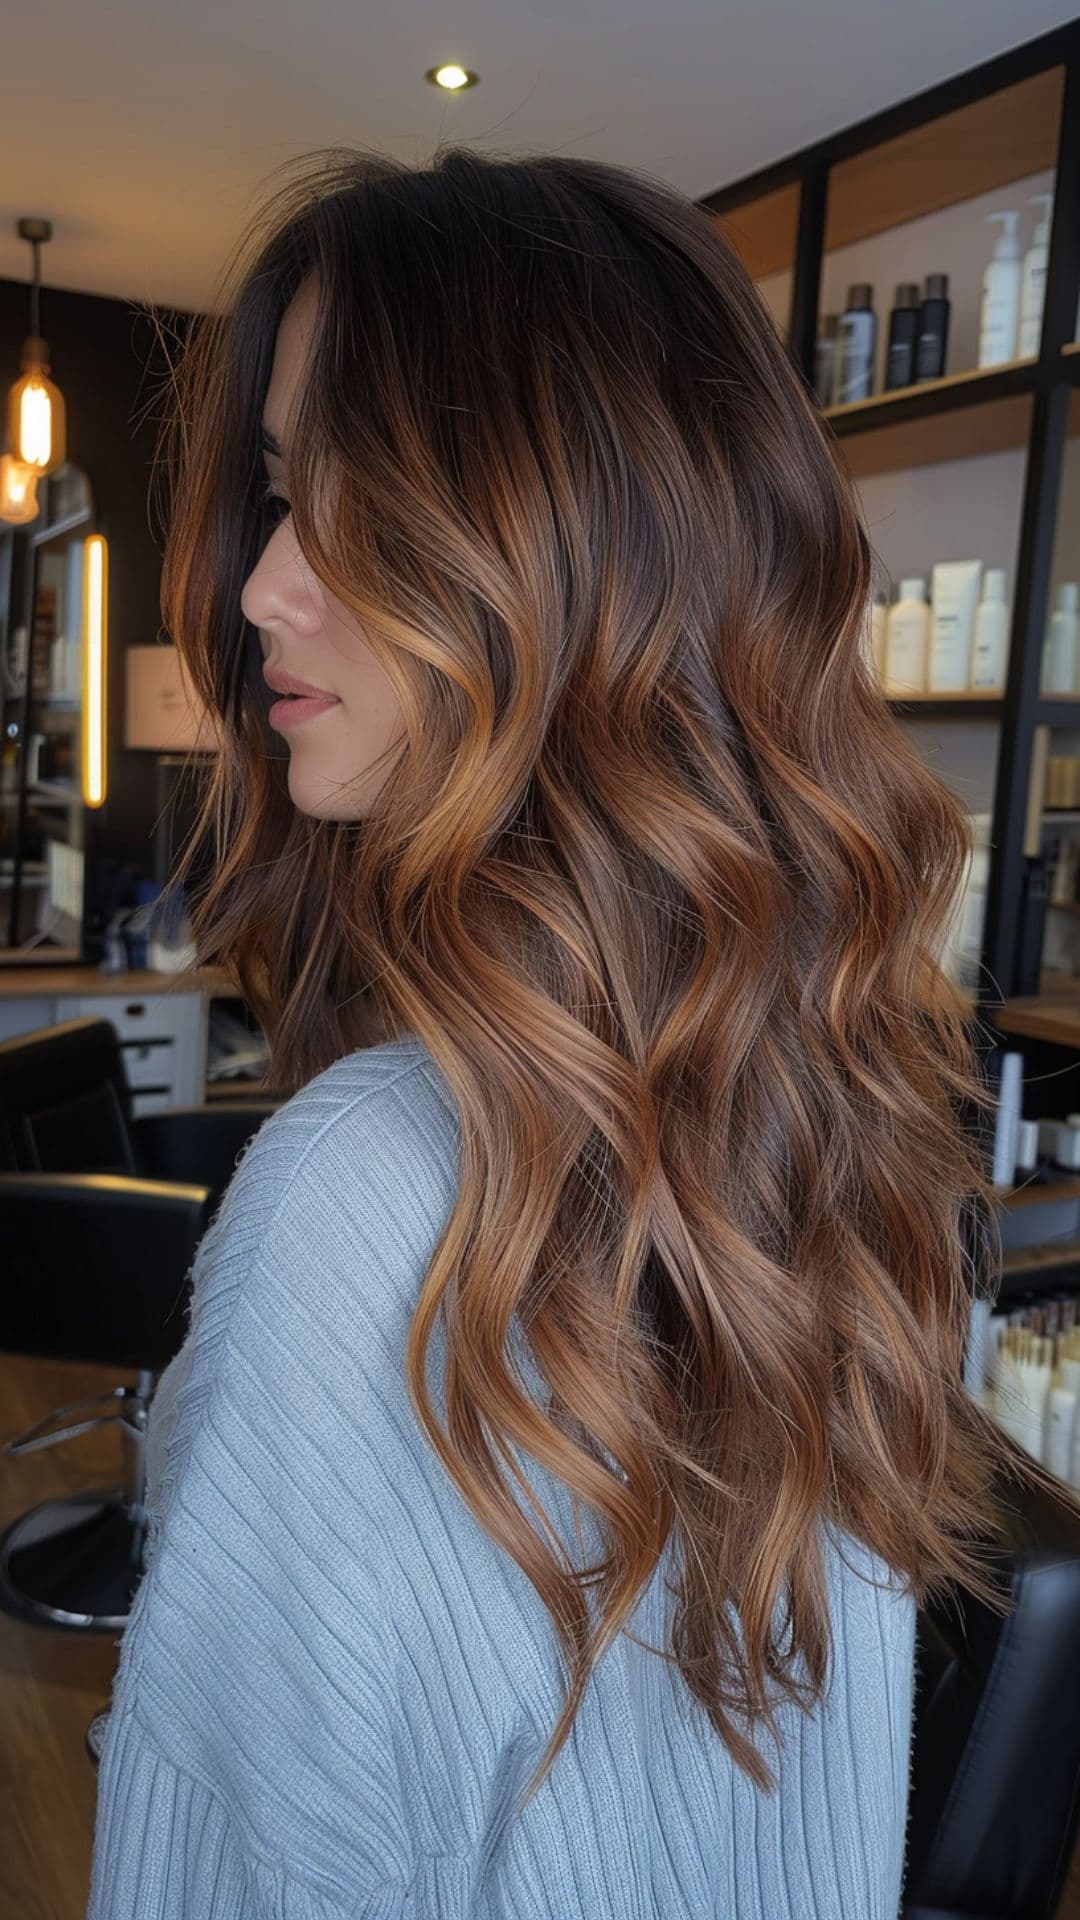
(149, 133)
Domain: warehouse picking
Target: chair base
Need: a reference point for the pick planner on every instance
(74, 1562)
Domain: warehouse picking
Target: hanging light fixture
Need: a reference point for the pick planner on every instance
(18, 492)
(95, 638)
(36, 424)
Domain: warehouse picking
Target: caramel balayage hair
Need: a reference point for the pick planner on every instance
(655, 876)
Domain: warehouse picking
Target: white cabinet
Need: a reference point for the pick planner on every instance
(163, 1037)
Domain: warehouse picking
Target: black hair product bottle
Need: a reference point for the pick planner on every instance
(903, 338)
(930, 354)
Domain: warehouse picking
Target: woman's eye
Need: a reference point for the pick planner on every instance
(275, 506)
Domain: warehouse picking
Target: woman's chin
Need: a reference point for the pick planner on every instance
(313, 796)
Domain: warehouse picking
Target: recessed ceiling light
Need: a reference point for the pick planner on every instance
(452, 77)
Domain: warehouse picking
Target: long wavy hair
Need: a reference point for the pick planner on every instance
(656, 877)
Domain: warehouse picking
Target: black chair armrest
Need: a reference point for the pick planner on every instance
(97, 1266)
(200, 1144)
(996, 1765)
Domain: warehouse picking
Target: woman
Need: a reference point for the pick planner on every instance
(570, 1418)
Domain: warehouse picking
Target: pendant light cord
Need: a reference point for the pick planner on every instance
(35, 322)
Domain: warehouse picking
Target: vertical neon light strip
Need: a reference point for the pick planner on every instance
(94, 664)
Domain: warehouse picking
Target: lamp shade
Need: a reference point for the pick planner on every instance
(37, 426)
(18, 491)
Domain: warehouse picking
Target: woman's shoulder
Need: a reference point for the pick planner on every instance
(391, 1093)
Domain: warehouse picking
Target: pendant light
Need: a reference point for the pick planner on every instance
(18, 492)
(36, 424)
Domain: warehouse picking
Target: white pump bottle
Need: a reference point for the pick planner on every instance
(999, 317)
(1033, 279)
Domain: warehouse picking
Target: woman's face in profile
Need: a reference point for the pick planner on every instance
(305, 632)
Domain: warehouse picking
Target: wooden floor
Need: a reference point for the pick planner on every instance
(53, 1682)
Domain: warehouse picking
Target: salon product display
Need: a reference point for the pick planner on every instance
(1011, 303)
(1025, 1371)
(916, 348)
(954, 639)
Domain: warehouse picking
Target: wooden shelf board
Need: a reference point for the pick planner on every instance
(1052, 1015)
(1006, 136)
(1067, 1187)
(967, 696)
(856, 411)
(990, 425)
(1061, 1253)
(27, 976)
(763, 231)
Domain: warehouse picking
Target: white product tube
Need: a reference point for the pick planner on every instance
(954, 596)
(1010, 1093)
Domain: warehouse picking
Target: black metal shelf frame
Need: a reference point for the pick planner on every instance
(1049, 379)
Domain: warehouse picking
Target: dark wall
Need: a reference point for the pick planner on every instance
(105, 358)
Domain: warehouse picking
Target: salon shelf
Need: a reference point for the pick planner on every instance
(945, 706)
(1040, 1259)
(931, 398)
(1034, 1193)
(1053, 1014)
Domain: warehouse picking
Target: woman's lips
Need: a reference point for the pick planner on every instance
(292, 711)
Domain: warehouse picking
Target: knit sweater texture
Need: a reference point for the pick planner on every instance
(332, 1684)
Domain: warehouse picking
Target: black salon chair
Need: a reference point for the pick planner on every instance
(995, 1787)
(101, 1213)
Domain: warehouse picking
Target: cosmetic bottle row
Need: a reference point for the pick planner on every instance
(1010, 319)
(954, 641)
(917, 345)
(1023, 1367)
(1027, 1153)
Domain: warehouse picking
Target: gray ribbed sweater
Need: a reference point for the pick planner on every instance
(332, 1684)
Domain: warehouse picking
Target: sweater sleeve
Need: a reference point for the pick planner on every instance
(170, 1849)
(249, 1766)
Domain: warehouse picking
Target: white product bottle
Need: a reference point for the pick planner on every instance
(954, 600)
(907, 637)
(1010, 1095)
(1063, 641)
(991, 633)
(999, 316)
(1033, 279)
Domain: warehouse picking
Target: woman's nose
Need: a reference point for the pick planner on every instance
(279, 593)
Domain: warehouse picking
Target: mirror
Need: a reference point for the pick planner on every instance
(42, 815)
